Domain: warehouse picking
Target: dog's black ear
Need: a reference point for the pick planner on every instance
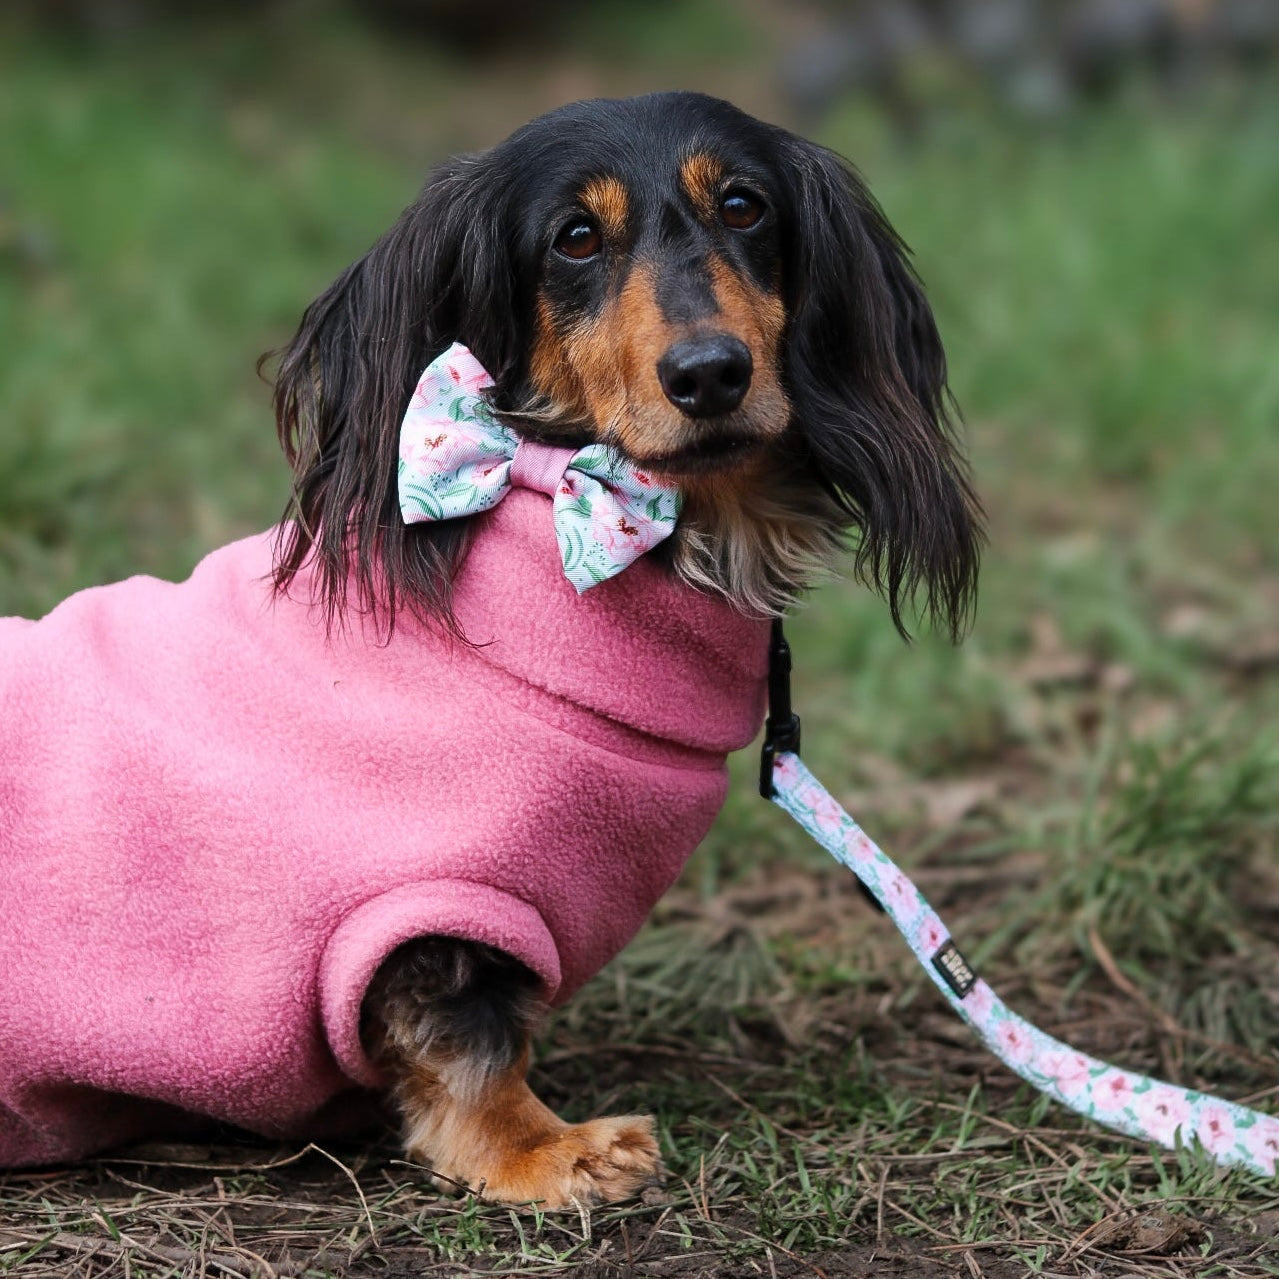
(441, 274)
(867, 378)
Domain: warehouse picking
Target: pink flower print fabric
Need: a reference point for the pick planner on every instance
(1067, 1071)
(1112, 1092)
(1262, 1141)
(607, 514)
(456, 459)
(1163, 1111)
(1135, 1104)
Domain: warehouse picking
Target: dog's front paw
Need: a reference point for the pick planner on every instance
(599, 1162)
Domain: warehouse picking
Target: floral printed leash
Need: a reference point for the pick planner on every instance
(1134, 1104)
(457, 459)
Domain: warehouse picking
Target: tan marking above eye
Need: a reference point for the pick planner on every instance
(700, 175)
(606, 198)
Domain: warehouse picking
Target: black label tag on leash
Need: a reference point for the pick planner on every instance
(955, 969)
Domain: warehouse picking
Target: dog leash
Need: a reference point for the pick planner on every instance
(1135, 1104)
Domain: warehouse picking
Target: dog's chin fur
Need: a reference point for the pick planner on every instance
(758, 537)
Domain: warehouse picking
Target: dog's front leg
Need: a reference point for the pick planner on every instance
(451, 1021)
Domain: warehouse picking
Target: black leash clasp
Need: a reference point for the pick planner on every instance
(781, 728)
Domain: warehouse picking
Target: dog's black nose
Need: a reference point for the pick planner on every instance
(706, 376)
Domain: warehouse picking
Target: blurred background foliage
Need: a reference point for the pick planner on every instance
(1092, 192)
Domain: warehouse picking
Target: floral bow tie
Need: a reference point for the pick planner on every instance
(456, 459)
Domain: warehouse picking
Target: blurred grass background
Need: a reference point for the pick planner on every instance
(1099, 759)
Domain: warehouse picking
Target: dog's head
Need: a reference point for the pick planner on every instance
(716, 297)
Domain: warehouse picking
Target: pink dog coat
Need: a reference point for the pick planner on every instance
(215, 823)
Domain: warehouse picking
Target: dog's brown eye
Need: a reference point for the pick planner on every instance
(740, 209)
(579, 240)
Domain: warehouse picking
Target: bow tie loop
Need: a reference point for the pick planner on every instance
(539, 467)
(457, 459)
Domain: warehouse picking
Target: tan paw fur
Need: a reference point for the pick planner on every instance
(498, 1140)
(599, 1162)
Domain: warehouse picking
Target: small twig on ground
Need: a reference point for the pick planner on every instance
(351, 1177)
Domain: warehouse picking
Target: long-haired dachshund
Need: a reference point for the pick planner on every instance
(722, 304)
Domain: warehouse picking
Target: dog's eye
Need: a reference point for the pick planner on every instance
(579, 240)
(740, 209)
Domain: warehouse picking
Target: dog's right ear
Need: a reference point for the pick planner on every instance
(441, 274)
(867, 380)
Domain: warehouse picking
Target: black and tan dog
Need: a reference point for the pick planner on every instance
(724, 302)
(243, 853)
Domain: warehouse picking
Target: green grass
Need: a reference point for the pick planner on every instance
(1087, 788)
(155, 246)
(1108, 297)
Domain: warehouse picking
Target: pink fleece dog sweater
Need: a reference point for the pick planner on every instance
(215, 822)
